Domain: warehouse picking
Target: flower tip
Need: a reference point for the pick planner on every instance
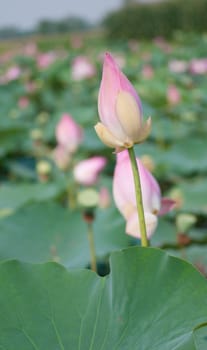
(108, 56)
(109, 60)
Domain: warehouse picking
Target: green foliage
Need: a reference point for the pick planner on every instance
(58, 234)
(62, 26)
(163, 18)
(9, 32)
(149, 301)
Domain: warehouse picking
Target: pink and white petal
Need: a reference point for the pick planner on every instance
(109, 88)
(107, 137)
(123, 182)
(167, 204)
(124, 83)
(133, 228)
(150, 189)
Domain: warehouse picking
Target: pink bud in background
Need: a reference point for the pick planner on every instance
(44, 60)
(198, 66)
(120, 109)
(86, 172)
(30, 49)
(104, 198)
(61, 157)
(23, 102)
(68, 133)
(147, 71)
(82, 68)
(178, 66)
(173, 95)
(124, 196)
(13, 73)
(31, 86)
(162, 44)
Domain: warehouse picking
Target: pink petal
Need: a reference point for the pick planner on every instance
(86, 171)
(123, 185)
(167, 204)
(123, 81)
(113, 81)
(68, 133)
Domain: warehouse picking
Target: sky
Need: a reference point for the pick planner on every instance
(26, 13)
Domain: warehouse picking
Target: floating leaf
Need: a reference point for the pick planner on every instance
(42, 232)
(14, 196)
(49, 307)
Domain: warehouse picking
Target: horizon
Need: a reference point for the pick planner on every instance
(28, 14)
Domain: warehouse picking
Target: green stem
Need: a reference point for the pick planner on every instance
(138, 195)
(92, 247)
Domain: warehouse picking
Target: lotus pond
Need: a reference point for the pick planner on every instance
(141, 298)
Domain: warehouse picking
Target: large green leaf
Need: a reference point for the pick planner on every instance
(40, 232)
(149, 301)
(14, 196)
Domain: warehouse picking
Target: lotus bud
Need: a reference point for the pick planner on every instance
(125, 200)
(120, 110)
(82, 68)
(173, 95)
(43, 170)
(104, 198)
(68, 133)
(61, 157)
(86, 172)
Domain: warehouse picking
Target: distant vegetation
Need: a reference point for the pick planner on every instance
(61, 26)
(162, 18)
(133, 20)
(9, 32)
(47, 26)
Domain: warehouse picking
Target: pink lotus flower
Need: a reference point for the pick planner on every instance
(86, 172)
(13, 73)
(120, 109)
(178, 66)
(44, 60)
(124, 196)
(173, 95)
(68, 133)
(82, 68)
